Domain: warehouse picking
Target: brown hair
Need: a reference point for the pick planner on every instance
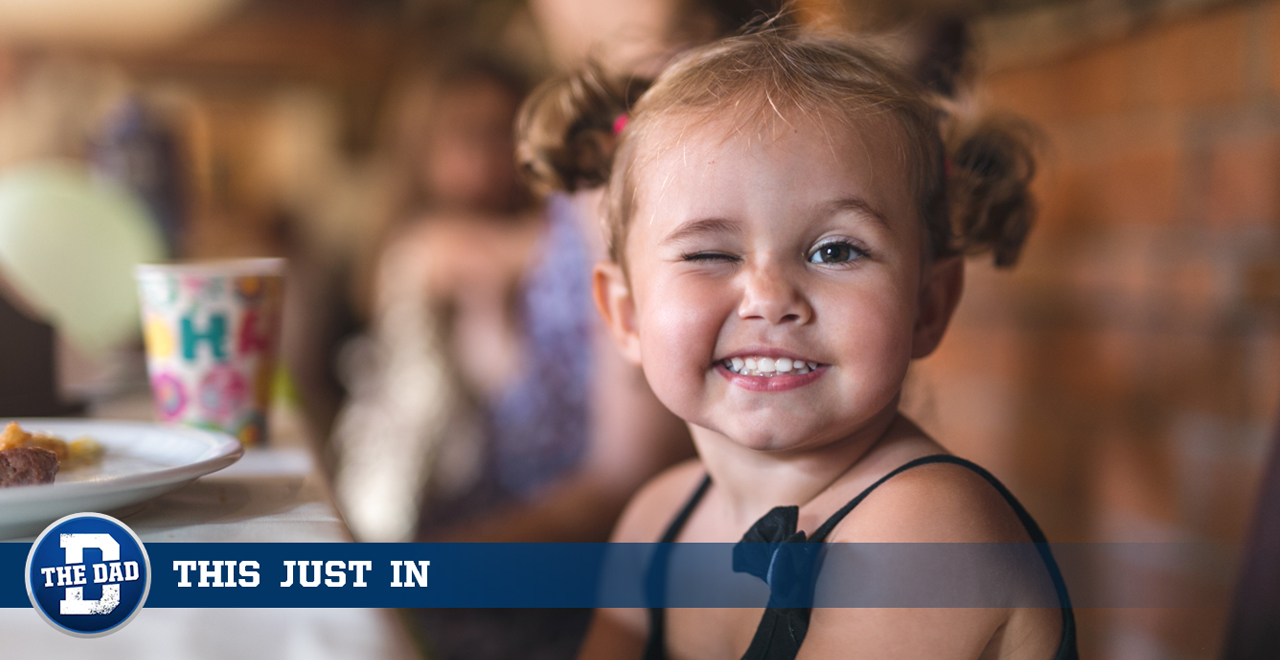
(970, 178)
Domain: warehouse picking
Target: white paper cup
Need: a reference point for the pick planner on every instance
(212, 332)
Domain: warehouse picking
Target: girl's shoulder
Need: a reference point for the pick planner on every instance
(933, 503)
(653, 507)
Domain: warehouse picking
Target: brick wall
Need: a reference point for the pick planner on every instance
(1125, 378)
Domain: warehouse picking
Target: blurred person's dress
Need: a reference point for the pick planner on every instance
(419, 452)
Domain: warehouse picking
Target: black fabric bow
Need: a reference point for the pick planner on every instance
(775, 552)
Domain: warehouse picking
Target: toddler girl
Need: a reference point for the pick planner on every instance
(787, 229)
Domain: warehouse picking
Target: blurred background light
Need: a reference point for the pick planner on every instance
(128, 23)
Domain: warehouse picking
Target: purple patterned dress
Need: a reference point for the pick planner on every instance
(538, 426)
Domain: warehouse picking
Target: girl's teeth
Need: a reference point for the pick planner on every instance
(769, 367)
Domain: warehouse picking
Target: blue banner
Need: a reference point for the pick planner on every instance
(504, 575)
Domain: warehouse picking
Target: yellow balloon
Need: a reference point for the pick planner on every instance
(68, 245)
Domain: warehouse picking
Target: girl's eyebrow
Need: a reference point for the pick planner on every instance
(857, 205)
(702, 226)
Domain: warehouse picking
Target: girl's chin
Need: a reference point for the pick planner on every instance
(798, 437)
(788, 428)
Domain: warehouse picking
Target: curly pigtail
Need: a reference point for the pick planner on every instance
(565, 132)
(991, 167)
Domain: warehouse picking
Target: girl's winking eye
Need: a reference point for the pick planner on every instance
(708, 256)
(836, 252)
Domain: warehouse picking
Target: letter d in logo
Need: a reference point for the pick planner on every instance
(88, 574)
(74, 545)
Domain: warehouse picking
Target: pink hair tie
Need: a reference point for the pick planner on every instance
(947, 167)
(620, 123)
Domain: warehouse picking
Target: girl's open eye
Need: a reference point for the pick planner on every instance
(836, 252)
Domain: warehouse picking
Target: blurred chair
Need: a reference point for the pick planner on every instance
(1253, 630)
(28, 381)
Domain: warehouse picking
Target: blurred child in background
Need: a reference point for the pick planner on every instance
(445, 314)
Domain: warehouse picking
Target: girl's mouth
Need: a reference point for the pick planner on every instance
(768, 374)
(768, 367)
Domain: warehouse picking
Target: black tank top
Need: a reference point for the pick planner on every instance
(782, 630)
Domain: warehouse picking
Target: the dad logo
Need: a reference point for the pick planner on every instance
(93, 552)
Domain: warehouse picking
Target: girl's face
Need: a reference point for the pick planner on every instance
(776, 289)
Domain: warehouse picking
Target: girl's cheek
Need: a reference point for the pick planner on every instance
(682, 337)
(871, 329)
(678, 336)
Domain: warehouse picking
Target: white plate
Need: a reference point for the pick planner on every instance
(141, 461)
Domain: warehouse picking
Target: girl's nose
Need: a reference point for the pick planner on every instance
(770, 295)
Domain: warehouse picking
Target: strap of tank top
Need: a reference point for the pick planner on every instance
(1067, 649)
(677, 524)
(820, 535)
(655, 579)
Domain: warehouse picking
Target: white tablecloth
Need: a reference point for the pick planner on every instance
(275, 494)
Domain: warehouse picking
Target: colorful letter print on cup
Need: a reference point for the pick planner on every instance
(212, 330)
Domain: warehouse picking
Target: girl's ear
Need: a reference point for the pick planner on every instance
(940, 291)
(617, 307)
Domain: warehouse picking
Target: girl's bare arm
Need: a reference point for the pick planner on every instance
(933, 504)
